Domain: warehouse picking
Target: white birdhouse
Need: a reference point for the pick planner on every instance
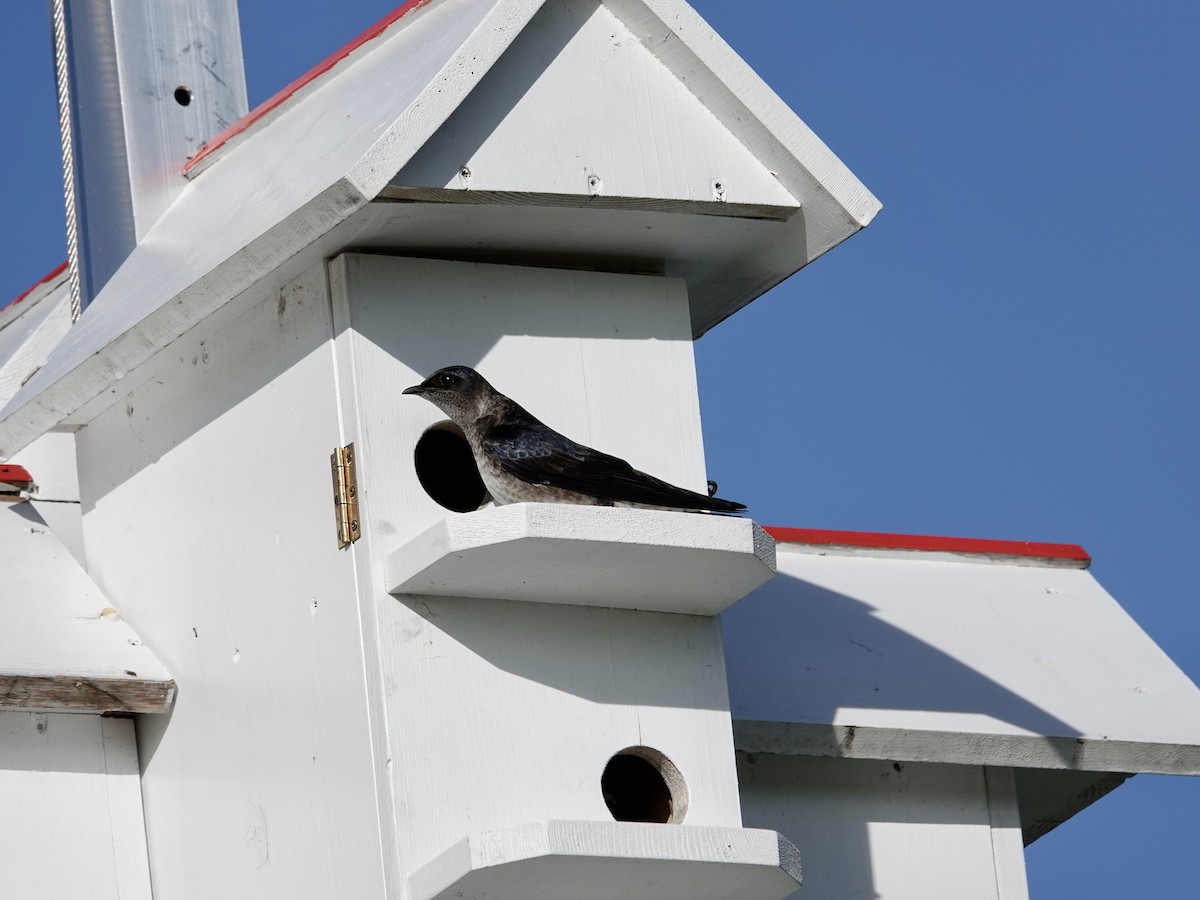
(387, 686)
(431, 699)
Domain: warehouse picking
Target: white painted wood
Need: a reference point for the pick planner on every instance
(400, 193)
(73, 824)
(918, 745)
(612, 121)
(366, 585)
(1049, 797)
(726, 261)
(124, 784)
(562, 860)
(28, 339)
(865, 828)
(304, 192)
(1048, 794)
(954, 661)
(273, 696)
(588, 555)
(51, 461)
(749, 108)
(262, 782)
(65, 522)
(501, 712)
(63, 646)
(20, 305)
(1008, 850)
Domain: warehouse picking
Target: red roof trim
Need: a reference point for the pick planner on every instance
(62, 267)
(13, 474)
(312, 74)
(880, 541)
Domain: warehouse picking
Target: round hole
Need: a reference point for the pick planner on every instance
(446, 469)
(183, 95)
(639, 784)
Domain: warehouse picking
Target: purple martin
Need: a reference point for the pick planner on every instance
(522, 460)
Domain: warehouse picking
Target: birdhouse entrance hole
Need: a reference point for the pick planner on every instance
(640, 784)
(446, 468)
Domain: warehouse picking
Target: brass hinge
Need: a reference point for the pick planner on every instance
(345, 495)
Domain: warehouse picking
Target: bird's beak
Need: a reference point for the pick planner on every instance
(415, 389)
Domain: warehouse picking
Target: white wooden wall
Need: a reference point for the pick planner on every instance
(72, 821)
(208, 522)
(504, 712)
(271, 758)
(62, 647)
(38, 323)
(605, 359)
(51, 461)
(890, 830)
(327, 738)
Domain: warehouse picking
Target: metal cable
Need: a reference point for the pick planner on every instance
(62, 79)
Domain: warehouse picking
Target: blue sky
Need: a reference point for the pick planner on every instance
(1009, 351)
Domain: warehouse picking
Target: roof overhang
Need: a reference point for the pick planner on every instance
(345, 159)
(995, 653)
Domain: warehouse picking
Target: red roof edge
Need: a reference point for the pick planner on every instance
(15, 475)
(311, 75)
(881, 541)
(43, 280)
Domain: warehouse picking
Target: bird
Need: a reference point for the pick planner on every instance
(520, 459)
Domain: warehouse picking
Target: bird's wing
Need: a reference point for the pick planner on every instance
(537, 454)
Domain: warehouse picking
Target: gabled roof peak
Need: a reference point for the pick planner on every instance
(325, 166)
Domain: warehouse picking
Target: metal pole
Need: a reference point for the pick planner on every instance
(142, 84)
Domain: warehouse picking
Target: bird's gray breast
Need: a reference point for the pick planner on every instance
(507, 488)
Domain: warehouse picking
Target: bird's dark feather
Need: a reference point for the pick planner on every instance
(527, 449)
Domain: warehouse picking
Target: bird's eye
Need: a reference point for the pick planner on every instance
(446, 380)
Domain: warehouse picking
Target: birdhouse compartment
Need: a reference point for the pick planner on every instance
(604, 358)
(502, 711)
(479, 714)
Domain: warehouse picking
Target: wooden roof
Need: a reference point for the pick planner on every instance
(916, 655)
(346, 157)
(31, 326)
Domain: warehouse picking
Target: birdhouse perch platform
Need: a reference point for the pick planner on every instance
(588, 556)
(587, 860)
